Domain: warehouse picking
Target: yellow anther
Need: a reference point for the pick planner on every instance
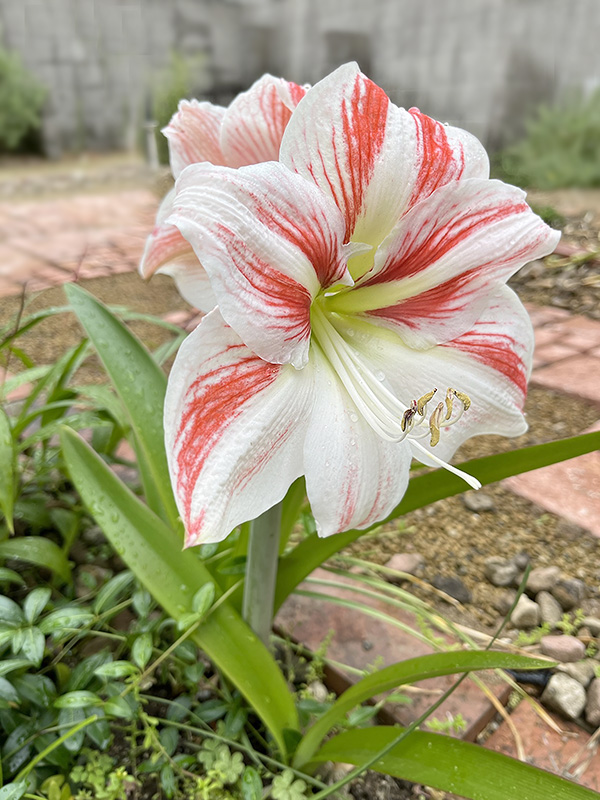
(434, 424)
(450, 393)
(422, 401)
(408, 416)
(464, 399)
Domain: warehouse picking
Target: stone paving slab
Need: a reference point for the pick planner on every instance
(567, 352)
(359, 641)
(49, 242)
(573, 754)
(570, 489)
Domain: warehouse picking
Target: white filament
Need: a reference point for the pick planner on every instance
(382, 411)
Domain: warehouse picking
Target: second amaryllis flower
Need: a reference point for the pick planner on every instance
(248, 131)
(362, 317)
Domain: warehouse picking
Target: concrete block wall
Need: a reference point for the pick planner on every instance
(482, 64)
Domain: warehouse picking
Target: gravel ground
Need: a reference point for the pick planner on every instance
(559, 281)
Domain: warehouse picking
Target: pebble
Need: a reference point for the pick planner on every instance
(454, 587)
(562, 648)
(582, 671)
(411, 563)
(550, 608)
(503, 602)
(592, 707)
(478, 501)
(593, 625)
(542, 579)
(565, 695)
(500, 572)
(521, 561)
(526, 613)
(319, 691)
(569, 592)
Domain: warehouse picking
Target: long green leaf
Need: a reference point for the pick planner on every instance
(141, 385)
(7, 470)
(153, 552)
(451, 765)
(426, 489)
(405, 672)
(39, 551)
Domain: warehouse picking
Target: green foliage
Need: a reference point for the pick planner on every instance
(287, 787)
(571, 622)
(181, 77)
(549, 214)
(561, 147)
(525, 638)
(452, 724)
(21, 101)
(98, 774)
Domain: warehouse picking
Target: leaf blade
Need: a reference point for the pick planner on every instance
(153, 552)
(404, 672)
(140, 384)
(451, 765)
(39, 551)
(7, 470)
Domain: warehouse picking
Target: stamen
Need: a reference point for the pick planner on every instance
(434, 424)
(464, 399)
(408, 416)
(380, 408)
(449, 401)
(422, 402)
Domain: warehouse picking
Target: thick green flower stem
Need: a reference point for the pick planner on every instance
(261, 572)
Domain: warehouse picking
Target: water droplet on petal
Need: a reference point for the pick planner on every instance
(354, 417)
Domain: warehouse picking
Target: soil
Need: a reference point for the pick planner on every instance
(50, 338)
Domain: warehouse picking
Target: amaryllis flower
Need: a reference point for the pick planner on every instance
(247, 132)
(362, 318)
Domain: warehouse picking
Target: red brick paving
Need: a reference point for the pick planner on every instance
(570, 489)
(570, 754)
(49, 242)
(359, 640)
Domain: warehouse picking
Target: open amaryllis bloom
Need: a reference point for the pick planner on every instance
(362, 319)
(247, 132)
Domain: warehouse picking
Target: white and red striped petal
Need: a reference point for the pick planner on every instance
(433, 275)
(234, 430)
(375, 159)
(194, 135)
(165, 243)
(353, 477)
(192, 282)
(269, 240)
(255, 121)
(490, 363)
